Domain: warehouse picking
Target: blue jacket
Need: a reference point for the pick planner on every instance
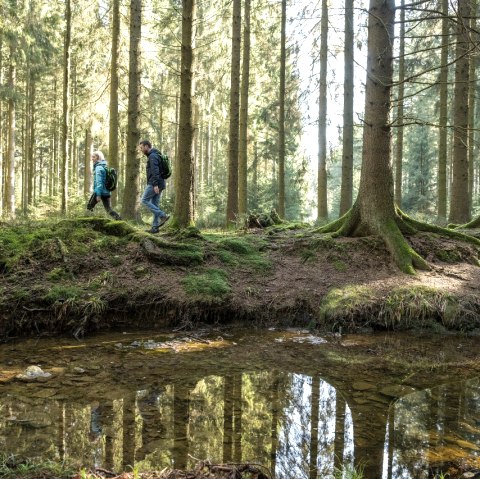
(99, 177)
(153, 169)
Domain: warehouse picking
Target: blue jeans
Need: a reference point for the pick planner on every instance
(151, 200)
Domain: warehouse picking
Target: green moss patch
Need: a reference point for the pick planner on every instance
(212, 283)
(244, 251)
(401, 308)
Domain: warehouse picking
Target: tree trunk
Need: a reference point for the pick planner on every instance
(322, 205)
(314, 419)
(399, 121)
(185, 175)
(243, 139)
(346, 190)
(227, 453)
(10, 183)
(66, 106)
(374, 211)
(87, 163)
(232, 199)
(130, 194)
(471, 106)
(442, 135)
(459, 204)
(114, 85)
(281, 119)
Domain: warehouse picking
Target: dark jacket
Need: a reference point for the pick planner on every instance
(153, 169)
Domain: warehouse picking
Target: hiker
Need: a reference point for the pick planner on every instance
(155, 186)
(100, 192)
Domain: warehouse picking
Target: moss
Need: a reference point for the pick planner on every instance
(63, 293)
(245, 251)
(59, 274)
(212, 283)
(409, 307)
(342, 306)
(339, 265)
(448, 256)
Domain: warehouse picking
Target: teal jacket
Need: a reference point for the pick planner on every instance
(99, 177)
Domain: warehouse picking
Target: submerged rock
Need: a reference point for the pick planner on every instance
(33, 372)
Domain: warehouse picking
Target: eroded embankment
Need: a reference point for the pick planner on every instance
(89, 274)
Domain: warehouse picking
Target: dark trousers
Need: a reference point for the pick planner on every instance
(107, 204)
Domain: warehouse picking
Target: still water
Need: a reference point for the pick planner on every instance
(301, 405)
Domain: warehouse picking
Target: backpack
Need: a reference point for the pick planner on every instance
(165, 166)
(111, 178)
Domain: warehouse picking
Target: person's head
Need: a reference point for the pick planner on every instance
(97, 156)
(145, 146)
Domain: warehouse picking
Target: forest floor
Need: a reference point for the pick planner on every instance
(80, 275)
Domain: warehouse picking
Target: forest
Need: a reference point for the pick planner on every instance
(312, 306)
(246, 100)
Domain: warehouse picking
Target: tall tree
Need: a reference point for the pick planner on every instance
(459, 204)
(281, 119)
(442, 132)
(114, 85)
(232, 199)
(130, 193)
(400, 100)
(185, 175)
(243, 136)
(346, 191)
(11, 127)
(374, 210)
(66, 105)
(471, 103)
(322, 205)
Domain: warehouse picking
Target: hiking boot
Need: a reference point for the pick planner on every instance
(152, 230)
(163, 220)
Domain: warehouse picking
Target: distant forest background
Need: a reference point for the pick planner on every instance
(225, 89)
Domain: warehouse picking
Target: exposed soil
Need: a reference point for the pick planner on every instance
(140, 282)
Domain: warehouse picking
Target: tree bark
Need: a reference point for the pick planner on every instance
(66, 106)
(399, 122)
(346, 190)
(322, 205)
(232, 199)
(442, 134)
(10, 183)
(281, 119)
(114, 85)
(459, 204)
(130, 208)
(243, 138)
(185, 175)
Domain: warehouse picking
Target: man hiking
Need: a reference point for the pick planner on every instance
(155, 185)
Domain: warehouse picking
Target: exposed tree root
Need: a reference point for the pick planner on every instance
(392, 231)
(475, 223)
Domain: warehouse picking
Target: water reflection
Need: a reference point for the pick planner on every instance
(298, 425)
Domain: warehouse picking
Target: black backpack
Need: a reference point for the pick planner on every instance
(165, 166)
(111, 178)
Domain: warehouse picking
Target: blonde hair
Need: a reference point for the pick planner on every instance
(99, 155)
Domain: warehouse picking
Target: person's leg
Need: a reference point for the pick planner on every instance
(92, 202)
(150, 199)
(107, 204)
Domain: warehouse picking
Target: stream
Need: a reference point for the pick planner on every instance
(299, 404)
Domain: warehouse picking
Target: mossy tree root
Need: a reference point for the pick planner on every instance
(475, 223)
(428, 228)
(392, 231)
